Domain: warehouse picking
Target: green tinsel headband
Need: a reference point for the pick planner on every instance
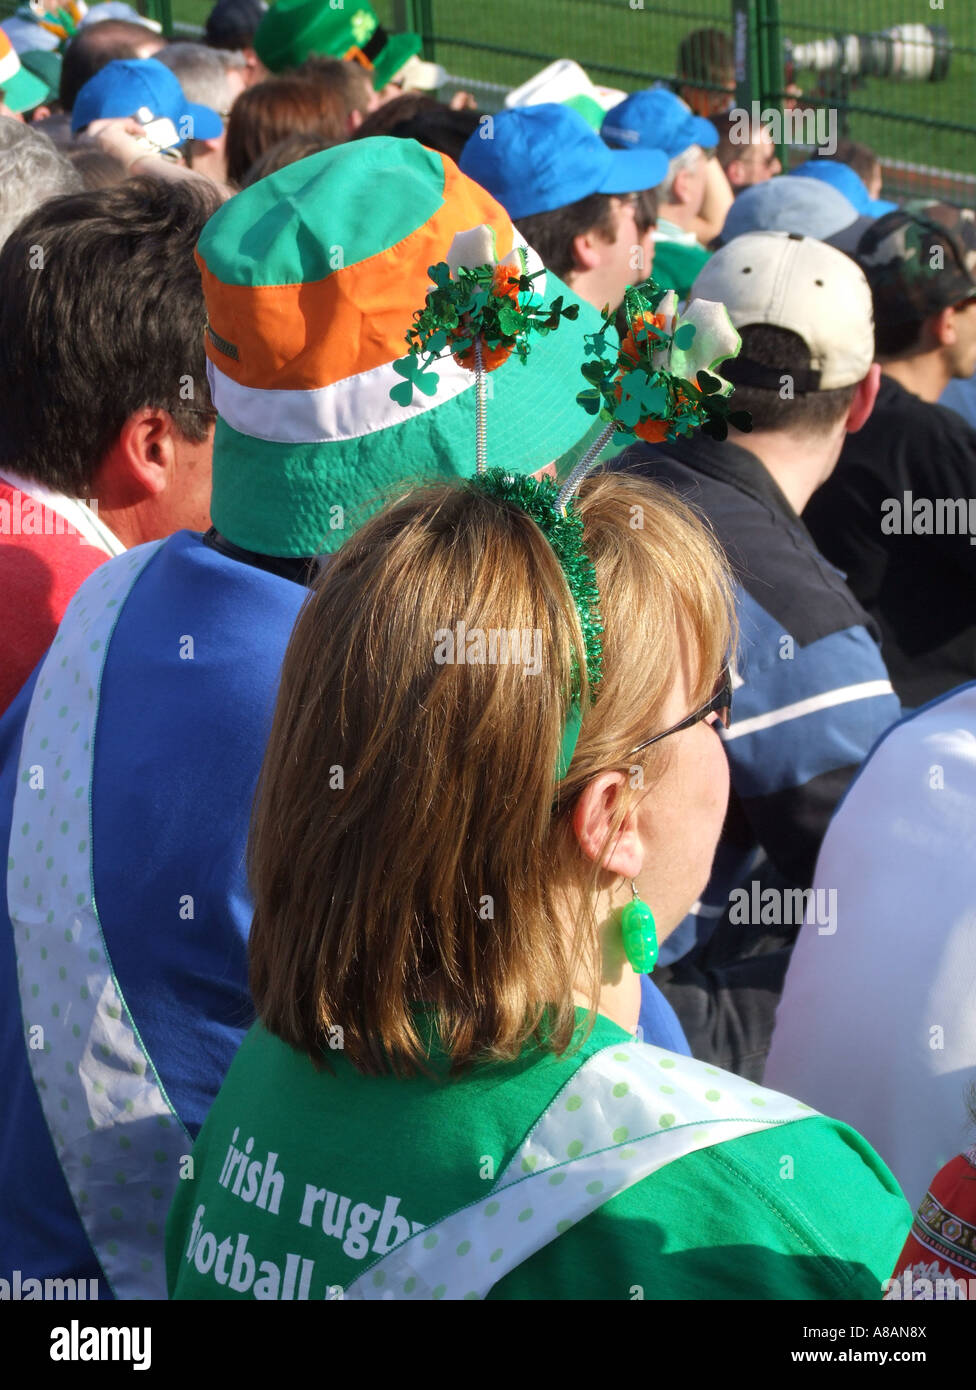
(652, 387)
(564, 532)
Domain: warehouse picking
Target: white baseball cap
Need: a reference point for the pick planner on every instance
(797, 283)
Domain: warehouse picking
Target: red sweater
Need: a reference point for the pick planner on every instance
(39, 572)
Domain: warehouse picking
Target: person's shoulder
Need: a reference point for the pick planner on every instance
(942, 732)
(814, 1191)
(241, 613)
(796, 1211)
(910, 423)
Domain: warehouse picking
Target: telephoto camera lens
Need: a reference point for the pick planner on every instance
(910, 52)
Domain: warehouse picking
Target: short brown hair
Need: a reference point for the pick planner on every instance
(706, 58)
(294, 147)
(415, 116)
(349, 81)
(264, 114)
(551, 234)
(94, 47)
(800, 413)
(399, 796)
(114, 322)
(861, 158)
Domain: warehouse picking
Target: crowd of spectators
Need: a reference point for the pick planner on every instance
(254, 825)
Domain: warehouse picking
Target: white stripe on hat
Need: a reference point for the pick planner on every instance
(9, 64)
(348, 409)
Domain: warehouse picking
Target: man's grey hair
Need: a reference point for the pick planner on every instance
(687, 159)
(31, 171)
(202, 72)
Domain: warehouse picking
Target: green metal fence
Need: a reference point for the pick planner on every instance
(899, 74)
(906, 92)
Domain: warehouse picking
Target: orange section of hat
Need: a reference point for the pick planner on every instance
(303, 337)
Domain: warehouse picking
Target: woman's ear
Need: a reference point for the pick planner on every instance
(595, 810)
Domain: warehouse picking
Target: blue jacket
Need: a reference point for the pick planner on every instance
(811, 690)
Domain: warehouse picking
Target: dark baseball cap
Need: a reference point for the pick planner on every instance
(919, 261)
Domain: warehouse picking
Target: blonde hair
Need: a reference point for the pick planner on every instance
(409, 844)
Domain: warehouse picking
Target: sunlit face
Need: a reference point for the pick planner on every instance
(626, 260)
(962, 353)
(757, 163)
(693, 181)
(680, 818)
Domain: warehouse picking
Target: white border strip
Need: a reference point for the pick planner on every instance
(348, 409)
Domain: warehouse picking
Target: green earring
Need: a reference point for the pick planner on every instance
(639, 933)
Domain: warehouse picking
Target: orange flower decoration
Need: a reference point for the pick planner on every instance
(505, 284)
(629, 347)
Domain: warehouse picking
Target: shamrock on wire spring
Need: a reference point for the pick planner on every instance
(480, 310)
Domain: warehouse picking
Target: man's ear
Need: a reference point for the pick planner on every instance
(679, 187)
(353, 121)
(864, 399)
(143, 458)
(592, 818)
(943, 326)
(587, 254)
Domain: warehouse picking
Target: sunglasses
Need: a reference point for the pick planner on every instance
(720, 704)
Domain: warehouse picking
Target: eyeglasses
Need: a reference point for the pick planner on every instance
(720, 704)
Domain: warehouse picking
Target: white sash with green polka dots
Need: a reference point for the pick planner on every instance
(117, 1137)
(627, 1112)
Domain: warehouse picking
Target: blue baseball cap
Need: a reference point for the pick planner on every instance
(125, 85)
(786, 204)
(847, 181)
(538, 158)
(656, 119)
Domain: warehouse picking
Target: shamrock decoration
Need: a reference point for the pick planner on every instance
(477, 308)
(362, 24)
(402, 392)
(662, 381)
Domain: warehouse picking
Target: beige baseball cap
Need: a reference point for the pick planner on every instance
(795, 282)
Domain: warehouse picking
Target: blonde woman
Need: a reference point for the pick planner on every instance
(443, 1097)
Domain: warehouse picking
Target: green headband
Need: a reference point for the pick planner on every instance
(564, 532)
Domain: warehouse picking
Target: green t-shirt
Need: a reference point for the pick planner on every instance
(676, 265)
(340, 1167)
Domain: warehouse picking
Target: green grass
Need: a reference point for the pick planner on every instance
(488, 40)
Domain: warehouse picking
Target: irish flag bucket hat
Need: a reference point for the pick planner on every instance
(22, 89)
(311, 278)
